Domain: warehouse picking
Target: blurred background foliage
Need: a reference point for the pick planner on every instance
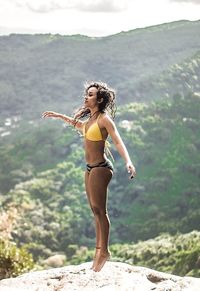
(13, 260)
(44, 214)
(40, 71)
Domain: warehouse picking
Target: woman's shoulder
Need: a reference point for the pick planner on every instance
(106, 118)
(105, 115)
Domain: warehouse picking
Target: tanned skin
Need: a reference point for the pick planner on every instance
(97, 181)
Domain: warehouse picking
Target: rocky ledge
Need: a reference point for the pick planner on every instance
(113, 277)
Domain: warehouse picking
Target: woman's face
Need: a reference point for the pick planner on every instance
(91, 97)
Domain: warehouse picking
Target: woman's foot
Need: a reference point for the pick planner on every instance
(100, 261)
(97, 251)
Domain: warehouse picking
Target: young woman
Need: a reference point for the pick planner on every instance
(99, 100)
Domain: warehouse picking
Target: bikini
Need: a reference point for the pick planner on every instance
(94, 134)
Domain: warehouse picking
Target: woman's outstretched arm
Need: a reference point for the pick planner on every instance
(70, 120)
(119, 144)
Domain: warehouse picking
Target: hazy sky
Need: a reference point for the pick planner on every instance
(91, 17)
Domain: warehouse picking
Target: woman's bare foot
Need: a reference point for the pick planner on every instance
(101, 260)
(97, 251)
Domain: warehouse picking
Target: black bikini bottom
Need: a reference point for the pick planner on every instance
(106, 164)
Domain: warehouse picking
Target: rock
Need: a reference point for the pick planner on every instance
(55, 261)
(113, 277)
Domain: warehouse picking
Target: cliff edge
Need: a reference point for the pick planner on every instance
(113, 277)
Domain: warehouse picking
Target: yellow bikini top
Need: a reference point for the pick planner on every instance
(93, 133)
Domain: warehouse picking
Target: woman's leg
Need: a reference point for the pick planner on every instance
(97, 226)
(98, 181)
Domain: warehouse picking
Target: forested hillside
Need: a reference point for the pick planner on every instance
(43, 205)
(163, 139)
(177, 254)
(48, 71)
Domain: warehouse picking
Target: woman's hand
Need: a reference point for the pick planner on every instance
(131, 170)
(50, 114)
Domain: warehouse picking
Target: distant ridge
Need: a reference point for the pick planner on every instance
(156, 27)
(170, 25)
(50, 69)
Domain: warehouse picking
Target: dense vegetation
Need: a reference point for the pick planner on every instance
(42, 164)
(178, 254)
(37, 71)
(163, 139)
(13, 260)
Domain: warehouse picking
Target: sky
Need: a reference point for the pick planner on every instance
(91, 17)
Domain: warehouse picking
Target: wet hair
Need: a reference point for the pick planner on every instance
(103, 92)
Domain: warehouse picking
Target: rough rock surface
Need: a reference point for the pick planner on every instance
(113, 277)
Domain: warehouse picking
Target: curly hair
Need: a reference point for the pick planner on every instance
(103, 92)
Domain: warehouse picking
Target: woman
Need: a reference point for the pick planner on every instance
(99, 99)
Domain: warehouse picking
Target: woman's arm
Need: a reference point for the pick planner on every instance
(119, 144)
(76, 123)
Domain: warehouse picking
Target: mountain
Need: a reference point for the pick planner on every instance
(45, 71)
(41, 161)
(42, 176)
